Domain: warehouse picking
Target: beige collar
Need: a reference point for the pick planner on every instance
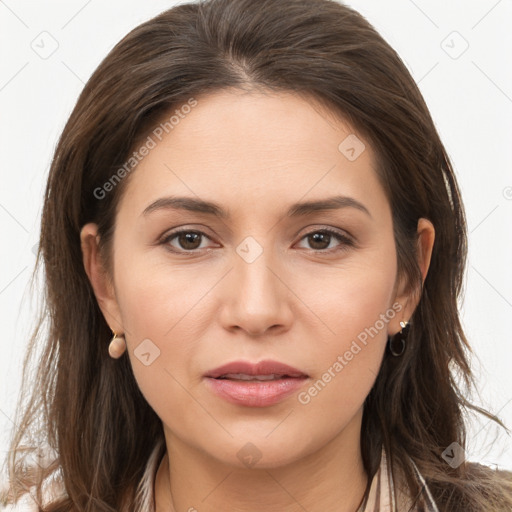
(384, 496)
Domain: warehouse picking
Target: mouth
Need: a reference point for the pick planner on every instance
(255, 385)
(263, 370)
(258, 378)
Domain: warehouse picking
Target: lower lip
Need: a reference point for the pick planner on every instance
(255, 393)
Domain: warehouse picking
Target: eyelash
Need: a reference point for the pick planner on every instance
(345, 240)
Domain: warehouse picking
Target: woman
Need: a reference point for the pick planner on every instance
(254, 245)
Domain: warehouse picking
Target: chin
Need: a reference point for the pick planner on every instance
(264, 451)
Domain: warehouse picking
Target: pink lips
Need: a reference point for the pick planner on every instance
(230, 382)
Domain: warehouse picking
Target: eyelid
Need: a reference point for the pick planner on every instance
(169, 235)
(314, 228)
(346, 240)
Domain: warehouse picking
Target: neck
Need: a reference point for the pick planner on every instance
(332, 478)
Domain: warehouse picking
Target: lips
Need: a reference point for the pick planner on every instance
(243, 376)
(264, 370)
(255, 384)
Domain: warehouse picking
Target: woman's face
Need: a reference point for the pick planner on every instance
(265, 281)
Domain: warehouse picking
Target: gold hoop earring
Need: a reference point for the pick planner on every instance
(117, 346)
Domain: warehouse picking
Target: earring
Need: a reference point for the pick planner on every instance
(117, 346)
(396, 343)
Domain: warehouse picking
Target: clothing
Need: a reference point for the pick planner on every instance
(381, 497)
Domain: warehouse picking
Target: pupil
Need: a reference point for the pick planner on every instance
(320, 238)
(189, 238)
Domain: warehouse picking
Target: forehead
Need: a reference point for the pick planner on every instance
(253, 148)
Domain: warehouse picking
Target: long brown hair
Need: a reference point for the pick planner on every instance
(88, 407)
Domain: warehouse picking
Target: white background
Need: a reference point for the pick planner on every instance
(470, 98)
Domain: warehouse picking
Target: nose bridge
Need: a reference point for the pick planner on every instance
(258, 297)
(252, 269)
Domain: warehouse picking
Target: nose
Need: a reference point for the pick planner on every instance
(256, 298)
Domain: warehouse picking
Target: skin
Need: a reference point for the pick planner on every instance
(255, 154)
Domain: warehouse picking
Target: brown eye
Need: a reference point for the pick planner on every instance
(187, 240)
(320, 240)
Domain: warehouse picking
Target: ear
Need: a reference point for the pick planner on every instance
(409, 302)
(103, 289)
(425, 244)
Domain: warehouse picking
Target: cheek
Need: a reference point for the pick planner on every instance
(348, 361)
(156, 296)
(154, 305)
(166, 312)
(356, 306)
(365, 308)
(352, 297)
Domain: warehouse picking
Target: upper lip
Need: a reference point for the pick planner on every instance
(267, 367)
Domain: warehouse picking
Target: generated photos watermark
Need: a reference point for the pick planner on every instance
(150, 143)
(304, 397)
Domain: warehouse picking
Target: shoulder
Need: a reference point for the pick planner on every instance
(475, 469)
(494, 481)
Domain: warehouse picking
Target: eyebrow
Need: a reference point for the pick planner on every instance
(295, 210)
